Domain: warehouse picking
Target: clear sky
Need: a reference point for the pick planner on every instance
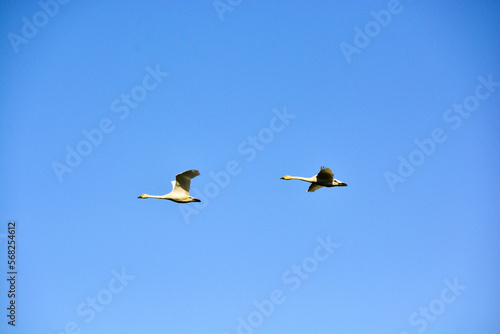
(103, 101)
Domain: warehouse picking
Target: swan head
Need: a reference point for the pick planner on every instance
(286, 177)
(143, 196)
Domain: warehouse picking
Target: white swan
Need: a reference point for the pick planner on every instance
(323, 179)
(180, 191)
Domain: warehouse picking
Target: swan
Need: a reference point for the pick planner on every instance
(180, 191)
(323, 179)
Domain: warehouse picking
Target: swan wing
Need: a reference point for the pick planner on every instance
(177, 190)
(183, 180)
(313, 187)
(174, 183)
(325, 175)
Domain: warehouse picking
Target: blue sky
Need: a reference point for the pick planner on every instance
(246, 92)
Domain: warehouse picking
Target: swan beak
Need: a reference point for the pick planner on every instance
(342, 184)
(140, 197)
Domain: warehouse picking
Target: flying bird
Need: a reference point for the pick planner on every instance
(323, 179)
(180, 191)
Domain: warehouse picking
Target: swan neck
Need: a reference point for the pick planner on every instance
(153, 196)
(307, 179)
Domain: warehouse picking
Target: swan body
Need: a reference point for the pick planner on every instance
(180, 190)
(323, 179)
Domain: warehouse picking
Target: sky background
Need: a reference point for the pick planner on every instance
(203, 273)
